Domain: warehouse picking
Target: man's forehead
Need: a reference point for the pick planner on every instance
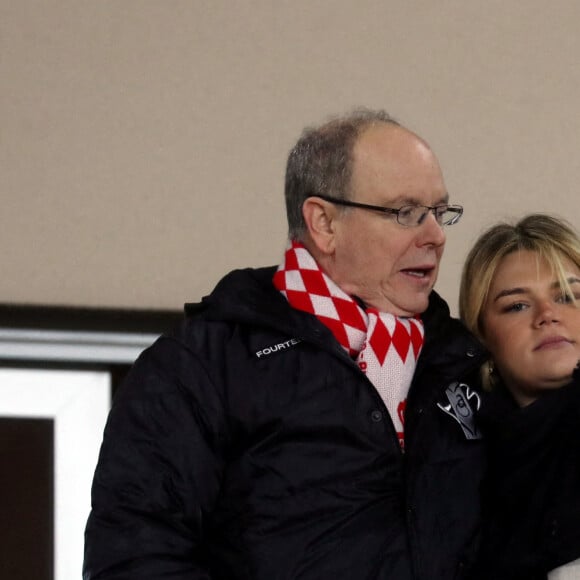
(384, 141)
(388, 159)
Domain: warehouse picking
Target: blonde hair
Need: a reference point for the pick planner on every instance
(551, 238)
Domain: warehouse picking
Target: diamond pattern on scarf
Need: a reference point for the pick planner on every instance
(380, 340)
(307, 288)
(384, 357)
(417, 338)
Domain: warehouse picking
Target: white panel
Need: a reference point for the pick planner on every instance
(72, 346)
(78, 402)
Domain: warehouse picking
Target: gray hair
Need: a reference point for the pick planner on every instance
(321, 162)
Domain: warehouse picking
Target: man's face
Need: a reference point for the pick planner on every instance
(389, 266)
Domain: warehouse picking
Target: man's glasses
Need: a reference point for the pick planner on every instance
(408, 215)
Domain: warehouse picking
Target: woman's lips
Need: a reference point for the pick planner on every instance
(553, 342)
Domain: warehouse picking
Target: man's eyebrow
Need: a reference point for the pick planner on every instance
(409, 200)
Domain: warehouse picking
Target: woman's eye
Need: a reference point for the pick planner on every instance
(566, 299)
(517, 307)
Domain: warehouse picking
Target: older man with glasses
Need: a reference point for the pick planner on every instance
(315, 420)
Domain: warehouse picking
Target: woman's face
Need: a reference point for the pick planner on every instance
(530, 326)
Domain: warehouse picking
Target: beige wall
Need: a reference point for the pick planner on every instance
(143, 142)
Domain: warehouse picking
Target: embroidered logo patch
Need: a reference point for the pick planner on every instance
(462, 405)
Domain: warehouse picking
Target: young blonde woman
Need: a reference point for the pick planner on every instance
(520, 295)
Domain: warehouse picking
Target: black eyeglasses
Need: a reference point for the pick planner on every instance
(408, 215)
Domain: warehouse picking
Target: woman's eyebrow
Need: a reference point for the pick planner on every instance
(510, 292)
(571, 280)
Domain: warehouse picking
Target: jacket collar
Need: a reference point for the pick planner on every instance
(248, 296)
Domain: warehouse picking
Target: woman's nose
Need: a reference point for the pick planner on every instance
(547, 313)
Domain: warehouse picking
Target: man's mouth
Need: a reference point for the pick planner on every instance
(418, 272)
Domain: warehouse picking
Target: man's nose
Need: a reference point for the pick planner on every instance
(432, 232)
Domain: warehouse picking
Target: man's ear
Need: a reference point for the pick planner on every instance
(319, 217)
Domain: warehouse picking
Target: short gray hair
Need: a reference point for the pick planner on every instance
(321, 162)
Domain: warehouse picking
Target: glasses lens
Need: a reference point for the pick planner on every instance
(411, 215)
(451, 215)
(441, 213)
(414, 215)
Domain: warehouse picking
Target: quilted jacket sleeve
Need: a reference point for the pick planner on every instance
(158, 472)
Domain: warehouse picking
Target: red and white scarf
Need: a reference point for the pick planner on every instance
(386, 347)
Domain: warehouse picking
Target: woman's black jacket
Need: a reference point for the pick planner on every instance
(532, 501)
(248, 445)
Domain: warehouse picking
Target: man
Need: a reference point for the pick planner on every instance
(277, 433)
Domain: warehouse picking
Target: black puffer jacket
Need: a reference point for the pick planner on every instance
(248, 445)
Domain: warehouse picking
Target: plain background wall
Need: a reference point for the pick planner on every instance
(143, 142)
